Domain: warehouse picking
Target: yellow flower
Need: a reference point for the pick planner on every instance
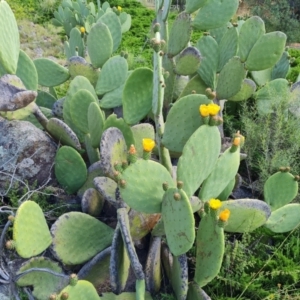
(148, 145)
(213, 109)
(215, 204)
(82, 29)
(119, 8)
(236, 141)
(203, 109)
(224, 215)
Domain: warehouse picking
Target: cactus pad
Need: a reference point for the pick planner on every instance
(50, 73)
(95, 123)
(77, 237)
(284, 219)
(195, 86)
(199, 157)
(112, 149)
(9, 36)
(83, 290)
(70, 169)
(179, 221)
(280, 189)
(247, 90)
(107, 188)
(183, 119)
(137, 95)
(143, 190)
(44, 284)
(246, 214)
(188, 61)
(92, 202)
(30, 230)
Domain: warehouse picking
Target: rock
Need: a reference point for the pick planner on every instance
(26, 154)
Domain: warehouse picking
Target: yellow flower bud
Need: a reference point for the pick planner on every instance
(203, 109)
(213, 109)
(215, 204)
(82, 29)
(132, 150)
(119, 8)
(148, 145)
(236, 141)
(224, 215)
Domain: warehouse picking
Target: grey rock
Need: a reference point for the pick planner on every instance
(26, 153)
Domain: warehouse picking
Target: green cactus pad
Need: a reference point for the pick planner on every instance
(143, 190)
(140, 132)
(281, 69)
(45, 99)
(79, 66)
(107, 188)
(178, 220)
(70, 169)
(182, 121)
(227, 191)
(92, 202)
(92, 153)
(141, 224)
(76, 43)
(179, 85)
(50, 73)
(280, 189)
(218, 33)
(231, 78)
(111, 20)
(77, 237)
(247, 90)
(227, 47)
(77, 84)
(214, 14)
(188, 61)
(262, 77)
(83, 290)
(113, 98)
(113, 121)
(193, 5)
(210, 246)
(24, 68)
(179, 276)
(30, 230)
(153, 266)
(271, 95)
(195, 292)
(93, 172)
(113, 74)
(99, 44)
(209, 50)
(95, 123)
(246, 214)
(224, 170)
(195, 86)
(266, 52)
(198, 158)
(250, 32)
(180, 34)
(63, 133)
(137, 95)
(284, 219)
(79, 106)
(44, 284)
(96, 270)
(9, 37)
(112, 149)
(119, 263)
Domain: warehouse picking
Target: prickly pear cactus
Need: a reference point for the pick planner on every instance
(31, 234)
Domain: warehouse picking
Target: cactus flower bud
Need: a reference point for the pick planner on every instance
(236, 141)
(148, 145)
(64, 296)
(82, 29)
(156, 27)
(119, 8)
(73, 279)
(132, 154)
(177, 196)
(179, 185)
(10, 245)
(53, 297)
(224, 215)
(215, 204)
(11, 218)
(165, 186)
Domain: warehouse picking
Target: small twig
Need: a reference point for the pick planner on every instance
(28, 293)
(3, 236)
